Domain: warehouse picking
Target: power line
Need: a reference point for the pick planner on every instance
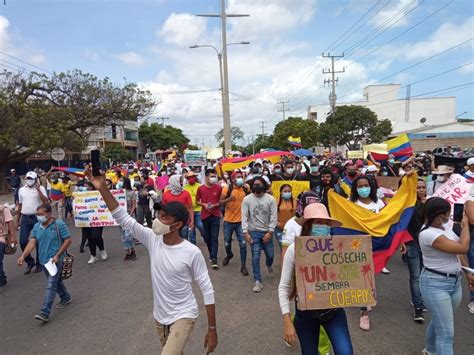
(25, 62)
(185, 92)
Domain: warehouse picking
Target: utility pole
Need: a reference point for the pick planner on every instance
(225, 80)
(163, 120)
(283, 109)
(407, 103)
(262, 125)
(333, 80)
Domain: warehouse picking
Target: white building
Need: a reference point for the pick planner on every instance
(405, 114)
(125, 134)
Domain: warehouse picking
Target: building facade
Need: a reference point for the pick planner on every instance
(125, 134)
(405, 113)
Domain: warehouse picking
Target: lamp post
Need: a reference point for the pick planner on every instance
(224, 93)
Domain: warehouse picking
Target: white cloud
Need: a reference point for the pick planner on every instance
(26, 52)
(130, 58)
(267, 17)
(446, 36)
(183, 29)
(390, 15)
(468, 68)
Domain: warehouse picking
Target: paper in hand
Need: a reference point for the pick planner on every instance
(51, 267)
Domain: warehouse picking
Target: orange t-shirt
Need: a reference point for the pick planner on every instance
(233, 211)
(286, 211)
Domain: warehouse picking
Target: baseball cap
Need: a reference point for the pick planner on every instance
(470, 161)
(175, 209)
(31, 175)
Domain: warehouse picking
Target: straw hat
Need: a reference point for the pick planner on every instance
(189, 174)
(443, 169)
(317, 211)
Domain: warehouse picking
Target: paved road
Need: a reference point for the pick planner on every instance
(112, 303)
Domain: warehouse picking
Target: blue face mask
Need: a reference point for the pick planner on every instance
(364, 191)
(391, 161)
(318, 230)
(286, 195)
(239, 181)
(119, 185)
(314, 169)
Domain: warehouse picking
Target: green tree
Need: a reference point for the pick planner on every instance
(155, 136)
(307, 130)
(353, 125)
(116, 152)
(260, 142)
(40, 112)
(236, 134)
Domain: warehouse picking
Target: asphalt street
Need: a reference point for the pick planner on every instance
(112, 304)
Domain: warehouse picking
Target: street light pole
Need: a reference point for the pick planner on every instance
(225, 87)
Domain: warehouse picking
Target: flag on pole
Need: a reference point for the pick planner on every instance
(295, 141)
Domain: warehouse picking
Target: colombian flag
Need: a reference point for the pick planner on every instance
(388, 228)
(295, 141)
(230, 164)
(72, 171)
(400, 147)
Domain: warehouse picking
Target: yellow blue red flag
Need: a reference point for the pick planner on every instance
(388, 228)
(295, 141)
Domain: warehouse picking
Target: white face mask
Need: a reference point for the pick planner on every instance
(213, 180)
(30, 182)
(160, 228)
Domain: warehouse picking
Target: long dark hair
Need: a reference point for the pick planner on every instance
(434, 207)
(281, 200)
(127, 185)
(355, 194)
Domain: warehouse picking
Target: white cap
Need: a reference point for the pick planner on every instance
(31, 175)
(371, 169)
(470, 161)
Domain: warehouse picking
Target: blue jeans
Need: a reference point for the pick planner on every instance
(257, 247)
(212, 225)
(67, 206)
(279, 236)
(229, 228)
(198, 224)
(27, 223)
(3, 277)
(415, 264)
(442, 296)
(470, 258)
(55, 285)
(127, 239)
(307, 329)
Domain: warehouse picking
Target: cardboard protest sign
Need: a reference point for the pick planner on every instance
(389, 182)
(334, 272)
(195, 157)
(355, 154)
(90, 210)
(455, 190)
(297, 187)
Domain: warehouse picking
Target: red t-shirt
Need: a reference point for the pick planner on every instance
(184, 197)
(212, 195)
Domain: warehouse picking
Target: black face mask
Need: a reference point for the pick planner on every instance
(352, 173)
(258, 189)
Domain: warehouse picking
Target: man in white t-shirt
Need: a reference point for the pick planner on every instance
(175, 263)
(30, 197)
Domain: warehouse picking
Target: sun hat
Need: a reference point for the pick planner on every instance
(317, 211)
(371, 169)
(190, 174)
(443, 169)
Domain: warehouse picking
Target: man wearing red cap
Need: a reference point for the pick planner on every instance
(232, 197)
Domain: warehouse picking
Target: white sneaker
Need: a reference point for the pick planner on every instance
(425, 352)
(270, 272)
(385, 271)
(93, 260)
(103, 255)
(470, 306)
(258, 287)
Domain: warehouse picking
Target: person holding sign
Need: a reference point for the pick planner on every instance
(440, 280)
(306, 327)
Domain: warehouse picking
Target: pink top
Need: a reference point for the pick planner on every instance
(161, 182)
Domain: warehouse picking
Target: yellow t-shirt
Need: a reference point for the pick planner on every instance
(233, 211)
(192, 189)
(67, 189)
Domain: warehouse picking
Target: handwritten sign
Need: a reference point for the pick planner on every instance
(90, 210)
(355, 154)
(334, 272)
(296, 186)
(195, 157)
(389, 182)
(455, 190)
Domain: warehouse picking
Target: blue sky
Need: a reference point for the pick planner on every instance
(146, 41)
